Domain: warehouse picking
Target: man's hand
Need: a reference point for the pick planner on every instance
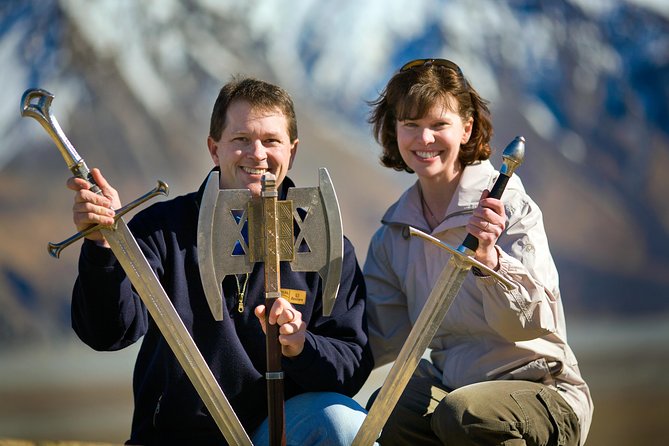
(92, 209)
(292, 328)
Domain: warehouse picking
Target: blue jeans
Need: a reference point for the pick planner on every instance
(317, 419)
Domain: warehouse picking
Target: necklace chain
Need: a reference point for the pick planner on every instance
(241, 291)
(425, 207)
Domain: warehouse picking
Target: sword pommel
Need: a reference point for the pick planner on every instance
(268, 182)
(513, 156)
(36, 104)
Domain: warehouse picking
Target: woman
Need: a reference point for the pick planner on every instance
(501, 371)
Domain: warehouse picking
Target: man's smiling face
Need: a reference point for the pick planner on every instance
(253, 141)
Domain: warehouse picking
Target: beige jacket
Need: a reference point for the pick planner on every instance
(488, 333)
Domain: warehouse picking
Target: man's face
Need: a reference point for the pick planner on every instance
(253, 142)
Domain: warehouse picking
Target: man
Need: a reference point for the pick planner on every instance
(326, 360)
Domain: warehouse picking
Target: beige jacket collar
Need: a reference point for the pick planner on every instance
(407, 210)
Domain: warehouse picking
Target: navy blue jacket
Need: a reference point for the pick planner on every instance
(108, 315)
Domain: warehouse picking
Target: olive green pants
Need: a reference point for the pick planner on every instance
(481, 414)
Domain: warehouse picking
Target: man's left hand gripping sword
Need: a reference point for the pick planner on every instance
(36, 104)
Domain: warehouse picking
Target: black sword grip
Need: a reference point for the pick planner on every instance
(472, 242)
(80, 170)
(94, 186)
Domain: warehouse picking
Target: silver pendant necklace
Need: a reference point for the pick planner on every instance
(426, 207)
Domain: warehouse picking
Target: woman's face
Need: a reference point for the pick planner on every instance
(429, 145)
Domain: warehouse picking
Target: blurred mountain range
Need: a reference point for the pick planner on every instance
(586, 82)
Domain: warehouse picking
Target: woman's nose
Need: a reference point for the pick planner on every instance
(427, 136)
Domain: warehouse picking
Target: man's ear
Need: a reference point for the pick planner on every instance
(293, 152)
(213, 149)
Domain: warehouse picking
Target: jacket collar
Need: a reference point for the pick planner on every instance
(407, 210)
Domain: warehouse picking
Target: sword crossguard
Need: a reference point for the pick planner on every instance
(463, 258)
(56, 248)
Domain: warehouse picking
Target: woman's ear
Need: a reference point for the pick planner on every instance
(468, 126)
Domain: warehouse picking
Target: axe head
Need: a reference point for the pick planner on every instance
(318, 244)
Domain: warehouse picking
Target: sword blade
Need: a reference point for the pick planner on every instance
(439, 301)
(143, 278)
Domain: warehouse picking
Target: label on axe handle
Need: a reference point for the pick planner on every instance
(295, 297)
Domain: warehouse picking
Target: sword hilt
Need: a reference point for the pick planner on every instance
(36, 104)
(512, 156)
(463, 259)
(56, 248)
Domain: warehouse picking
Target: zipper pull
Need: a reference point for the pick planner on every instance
(240, 302)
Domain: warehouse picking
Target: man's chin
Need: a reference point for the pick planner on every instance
(255, 188)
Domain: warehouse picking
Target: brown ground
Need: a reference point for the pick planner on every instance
(627, 413)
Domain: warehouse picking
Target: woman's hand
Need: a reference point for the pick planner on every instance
(487, 224)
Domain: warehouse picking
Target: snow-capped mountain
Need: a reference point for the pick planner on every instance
(587, 83)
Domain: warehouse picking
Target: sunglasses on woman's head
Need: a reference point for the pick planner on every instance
(427, 62)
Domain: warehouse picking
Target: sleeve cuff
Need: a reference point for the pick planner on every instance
(96, 255)
(503, 268)
(305, 359)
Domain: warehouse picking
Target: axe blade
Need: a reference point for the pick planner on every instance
(322, 230)
(216, 239)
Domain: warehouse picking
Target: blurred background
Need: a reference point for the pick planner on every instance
(585, 81)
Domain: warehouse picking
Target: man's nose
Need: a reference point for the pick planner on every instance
(258, 150)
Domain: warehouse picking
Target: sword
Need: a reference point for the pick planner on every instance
(36, 104)
(438, 302)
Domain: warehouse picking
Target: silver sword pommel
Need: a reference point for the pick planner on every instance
(513, 156)
(36, 103)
